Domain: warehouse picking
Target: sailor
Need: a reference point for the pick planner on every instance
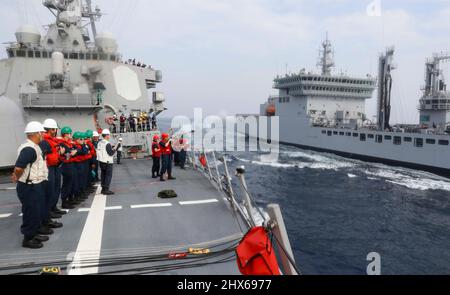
(123, 120)
(166, 157)
(30, 174)
(52, 152)
(119, 151)
(156, 156)
(183, 145)
(93, 159)
(67, 169)
(95, 140)
(132, 123)
(105, 154)
(80, 164)
(154, 126)
(87, 189)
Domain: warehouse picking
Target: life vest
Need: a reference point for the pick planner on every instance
(102, 154)
(91, 149)
(53, 158)
(66, 158)
(165, 150)
(202, 160)
(37, 172)
(255, 254)
(155, 146)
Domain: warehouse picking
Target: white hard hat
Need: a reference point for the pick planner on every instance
(106, 132)
(34, 127)
(120, 139)
(95, 134)
(50, 124)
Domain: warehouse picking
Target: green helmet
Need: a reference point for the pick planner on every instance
(77, 135)
(89, 134)
(66, 130)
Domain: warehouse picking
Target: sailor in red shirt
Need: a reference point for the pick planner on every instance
(51, 151)
(156, 156)
(166, 157)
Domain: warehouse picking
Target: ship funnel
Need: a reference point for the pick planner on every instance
(27, 34)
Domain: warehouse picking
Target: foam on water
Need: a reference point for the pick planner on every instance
(409, 180)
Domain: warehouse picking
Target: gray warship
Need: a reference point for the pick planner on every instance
(79, 78)
(329, 114)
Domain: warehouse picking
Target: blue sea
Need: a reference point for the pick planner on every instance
(339, 210)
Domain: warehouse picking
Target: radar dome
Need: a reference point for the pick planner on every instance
(27, 34)
(106, 42)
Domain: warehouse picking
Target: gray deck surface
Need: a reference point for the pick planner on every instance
(129, 231)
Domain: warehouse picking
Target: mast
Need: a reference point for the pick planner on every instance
(384, 89)
(92, 17)
(326, 58)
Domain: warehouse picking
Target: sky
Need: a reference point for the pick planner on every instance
(222, 55)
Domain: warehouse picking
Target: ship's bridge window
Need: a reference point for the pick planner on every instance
(66, 55)
(45, 54)
(379, 139)
(335, 132)
(81, 56)
(10, 53)
(112, 58)
(443, 142)
(21, 53)
(103, 56)
(388, 137)
(88, 56)
(30, 54)
(73, 56)
(431, 141)
(94, 56)
(371, 136)
(407, 139)
(418, 142)
(355, 134)
(341, 133)
(324, 132)
(397, 140)
(330, 133)
(349, 134)
(362, 137)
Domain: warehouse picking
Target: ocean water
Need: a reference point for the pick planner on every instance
(339, 210)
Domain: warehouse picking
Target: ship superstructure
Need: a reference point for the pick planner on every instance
(326, 112)
(72, 75)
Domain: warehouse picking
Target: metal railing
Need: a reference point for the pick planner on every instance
(222, 180)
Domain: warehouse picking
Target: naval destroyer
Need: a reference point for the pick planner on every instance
(326, 112)
(78, 77)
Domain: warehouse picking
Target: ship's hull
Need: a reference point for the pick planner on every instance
(397, 149)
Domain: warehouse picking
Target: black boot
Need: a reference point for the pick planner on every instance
(58, 211)
(41, 238)
(171, 177)
(67, 205)
(53, 224)
(53, 215)
(32, 244)
(46, 231)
